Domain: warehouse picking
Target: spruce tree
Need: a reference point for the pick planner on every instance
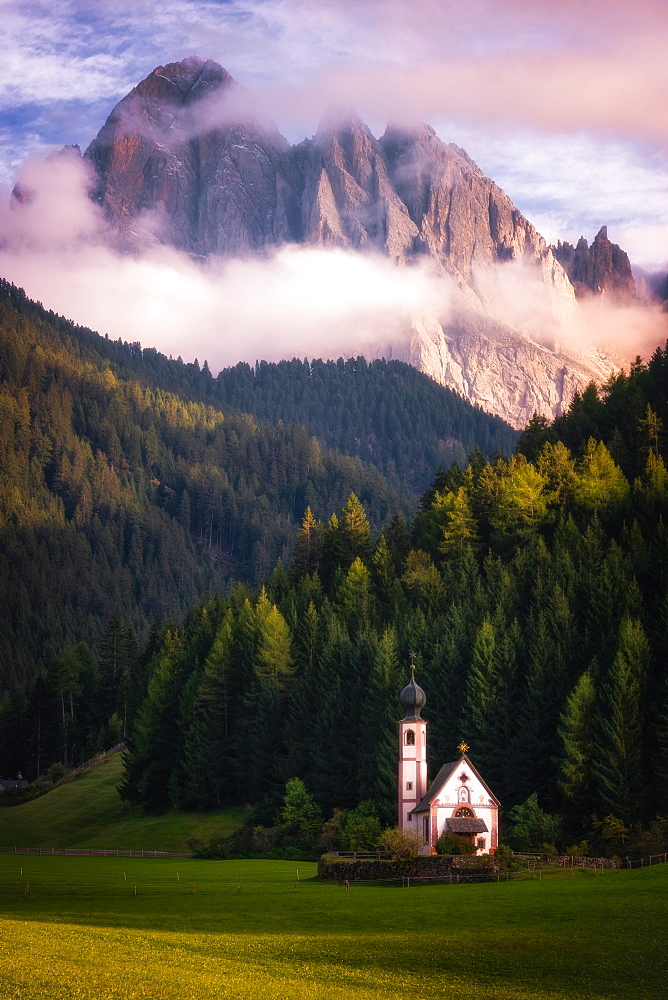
(619, 761)
(577, 733)
(207, 749)
(377, 772)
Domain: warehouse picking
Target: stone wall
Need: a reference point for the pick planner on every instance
(460, 869)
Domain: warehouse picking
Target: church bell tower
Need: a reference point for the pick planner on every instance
(412, 783)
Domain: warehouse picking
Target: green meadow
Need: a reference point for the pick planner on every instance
(157, 929)
(88, 812)
(74, 928)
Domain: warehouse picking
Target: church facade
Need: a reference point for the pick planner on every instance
(457, 801)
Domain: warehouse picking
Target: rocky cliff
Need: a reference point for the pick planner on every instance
(164, 176)
(600, 269)
(183, 161)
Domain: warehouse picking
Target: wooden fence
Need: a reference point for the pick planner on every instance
(90, 852)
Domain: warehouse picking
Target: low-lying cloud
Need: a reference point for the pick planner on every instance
(298, 301)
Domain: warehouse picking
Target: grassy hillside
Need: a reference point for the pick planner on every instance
(88, 812)
(245, 933)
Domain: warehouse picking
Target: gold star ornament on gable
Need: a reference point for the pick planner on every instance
(463, 747)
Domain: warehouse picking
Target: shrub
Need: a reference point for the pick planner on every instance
(56, 772)
(450, 843)
(504, 859)
(581, 850)
(532, 827)
(361, 831)
(330, 835)
(400, 843)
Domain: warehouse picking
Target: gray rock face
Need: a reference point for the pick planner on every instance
(162, 177)
(163, 170)
(461, 216)
(498, 369)
(179, 163)
(600, 269)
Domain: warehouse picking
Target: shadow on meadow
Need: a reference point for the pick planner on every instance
(569, 938)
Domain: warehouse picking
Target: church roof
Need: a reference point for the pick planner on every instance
(466, 824)
(413, 699)
(441, 779)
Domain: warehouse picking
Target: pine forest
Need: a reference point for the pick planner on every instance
(195, 566)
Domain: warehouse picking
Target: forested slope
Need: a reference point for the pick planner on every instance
(119, 497)
(385, 412)
(534, 596)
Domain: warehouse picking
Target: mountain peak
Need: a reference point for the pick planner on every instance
(600, 269)
(185, 81)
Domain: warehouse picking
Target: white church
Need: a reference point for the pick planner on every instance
(457, 801)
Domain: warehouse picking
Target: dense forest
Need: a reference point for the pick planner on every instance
(131, 486)
(118, 498)
(384, 412)
(531, 591)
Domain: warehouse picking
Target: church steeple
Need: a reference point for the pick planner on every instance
(412, 698)
(412, 777)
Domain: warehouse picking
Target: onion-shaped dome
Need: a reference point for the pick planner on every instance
(412, 698)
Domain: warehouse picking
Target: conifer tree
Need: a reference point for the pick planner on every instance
(577, 732)
(377, 773)
(460, 529)
(619, 743)
(355, 531)
(480, 708)
(274, 655)
(151, 756)
(601, 484)
(354, 597)
(207, 749)
(306, 553)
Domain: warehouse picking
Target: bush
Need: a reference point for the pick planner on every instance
(532, 828)
(56, 772)
(17, 796)
(361, 831)
(504, 859)
(581, 850)
(330, 835)
(400, 843)
(451, 844)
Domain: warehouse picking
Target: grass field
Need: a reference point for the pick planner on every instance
(88, 812)
(153, 929)
(239, 930)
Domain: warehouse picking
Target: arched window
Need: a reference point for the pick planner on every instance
(464, 795)
(410, 738)
(464, 812)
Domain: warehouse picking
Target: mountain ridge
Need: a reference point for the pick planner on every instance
(184, 160)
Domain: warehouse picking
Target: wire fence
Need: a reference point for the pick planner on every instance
(21, 880)
(96, 759)
(90, 852)
(100, 885)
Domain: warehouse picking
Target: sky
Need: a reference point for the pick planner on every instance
(562, 102)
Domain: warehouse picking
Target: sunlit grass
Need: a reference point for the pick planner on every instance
(246, 932)
(88, 812)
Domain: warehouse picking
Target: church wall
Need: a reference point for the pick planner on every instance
(470, 794)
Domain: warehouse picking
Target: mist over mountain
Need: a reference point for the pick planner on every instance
(185, 161)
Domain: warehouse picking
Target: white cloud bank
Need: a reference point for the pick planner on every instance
(297, 301)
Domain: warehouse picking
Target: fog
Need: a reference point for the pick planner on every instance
(298, 301)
